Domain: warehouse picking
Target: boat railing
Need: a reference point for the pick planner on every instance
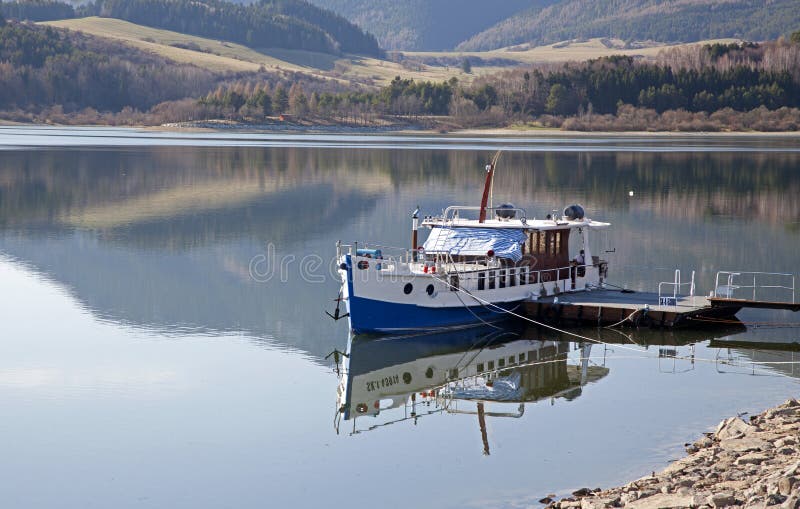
(453, 212)
(391, 254)
(665, 299)
(490, 278)
(752, 282)
(475, 275)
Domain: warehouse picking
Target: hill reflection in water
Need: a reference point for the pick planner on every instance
(163, 237)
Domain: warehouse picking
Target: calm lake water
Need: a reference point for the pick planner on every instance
(142, 364)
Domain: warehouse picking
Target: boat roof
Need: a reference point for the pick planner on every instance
(522, 224)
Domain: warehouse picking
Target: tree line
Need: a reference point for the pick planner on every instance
(41, 67)
(36, 10)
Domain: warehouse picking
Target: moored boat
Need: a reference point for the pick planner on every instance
(478, 264)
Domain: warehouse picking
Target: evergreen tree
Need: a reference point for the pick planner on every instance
(558, 100)
(298, 102)
(280, 100)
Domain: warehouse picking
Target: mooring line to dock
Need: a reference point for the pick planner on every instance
(624, 319)
(502, 310)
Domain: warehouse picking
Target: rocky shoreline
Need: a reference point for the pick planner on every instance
(750, 464)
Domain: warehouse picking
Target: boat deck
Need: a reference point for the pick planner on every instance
(604, 307)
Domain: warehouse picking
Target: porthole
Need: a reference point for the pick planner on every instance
(429, 290)
(406, 377)
(408, 288)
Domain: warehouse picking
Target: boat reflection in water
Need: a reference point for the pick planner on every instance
(482, 370)
(491, 371)
(763, 350)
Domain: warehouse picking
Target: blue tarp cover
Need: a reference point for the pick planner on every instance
(505, 242)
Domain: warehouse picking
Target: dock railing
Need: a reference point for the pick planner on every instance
(751, 282)
(664, 299)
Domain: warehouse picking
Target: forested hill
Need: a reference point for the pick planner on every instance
(36, 10)
(468, 25)
(640, 20)
(42, 68)
(291, 24)
(425, 24)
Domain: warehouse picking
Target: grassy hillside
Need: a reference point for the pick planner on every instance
(221, 56)
(639, 20)
(565, 51)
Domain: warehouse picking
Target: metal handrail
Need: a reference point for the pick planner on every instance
(730, 275)
(676, 285)
(512, 276)
(456, 208)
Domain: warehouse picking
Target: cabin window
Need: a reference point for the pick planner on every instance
(481, 280)
(502, 278)
(454, 373)
(501, 363)
(491, 280)
(548, 243)
(491, 365)
(511, 360)
(480, 368)
(454, 283)
(522, 357)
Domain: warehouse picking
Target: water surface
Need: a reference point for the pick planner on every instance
(143, 365)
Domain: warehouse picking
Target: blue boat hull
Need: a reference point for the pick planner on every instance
(368, 316)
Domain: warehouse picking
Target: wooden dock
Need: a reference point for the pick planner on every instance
(639, 309)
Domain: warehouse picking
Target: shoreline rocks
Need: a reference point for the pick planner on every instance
(752, 464)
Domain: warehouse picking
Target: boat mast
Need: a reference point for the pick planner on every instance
(414, 228)
(487, 186)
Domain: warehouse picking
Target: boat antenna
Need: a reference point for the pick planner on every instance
(488, 186)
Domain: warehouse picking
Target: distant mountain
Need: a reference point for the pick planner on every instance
(431, 25)
(659, 20)
(469, 25)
